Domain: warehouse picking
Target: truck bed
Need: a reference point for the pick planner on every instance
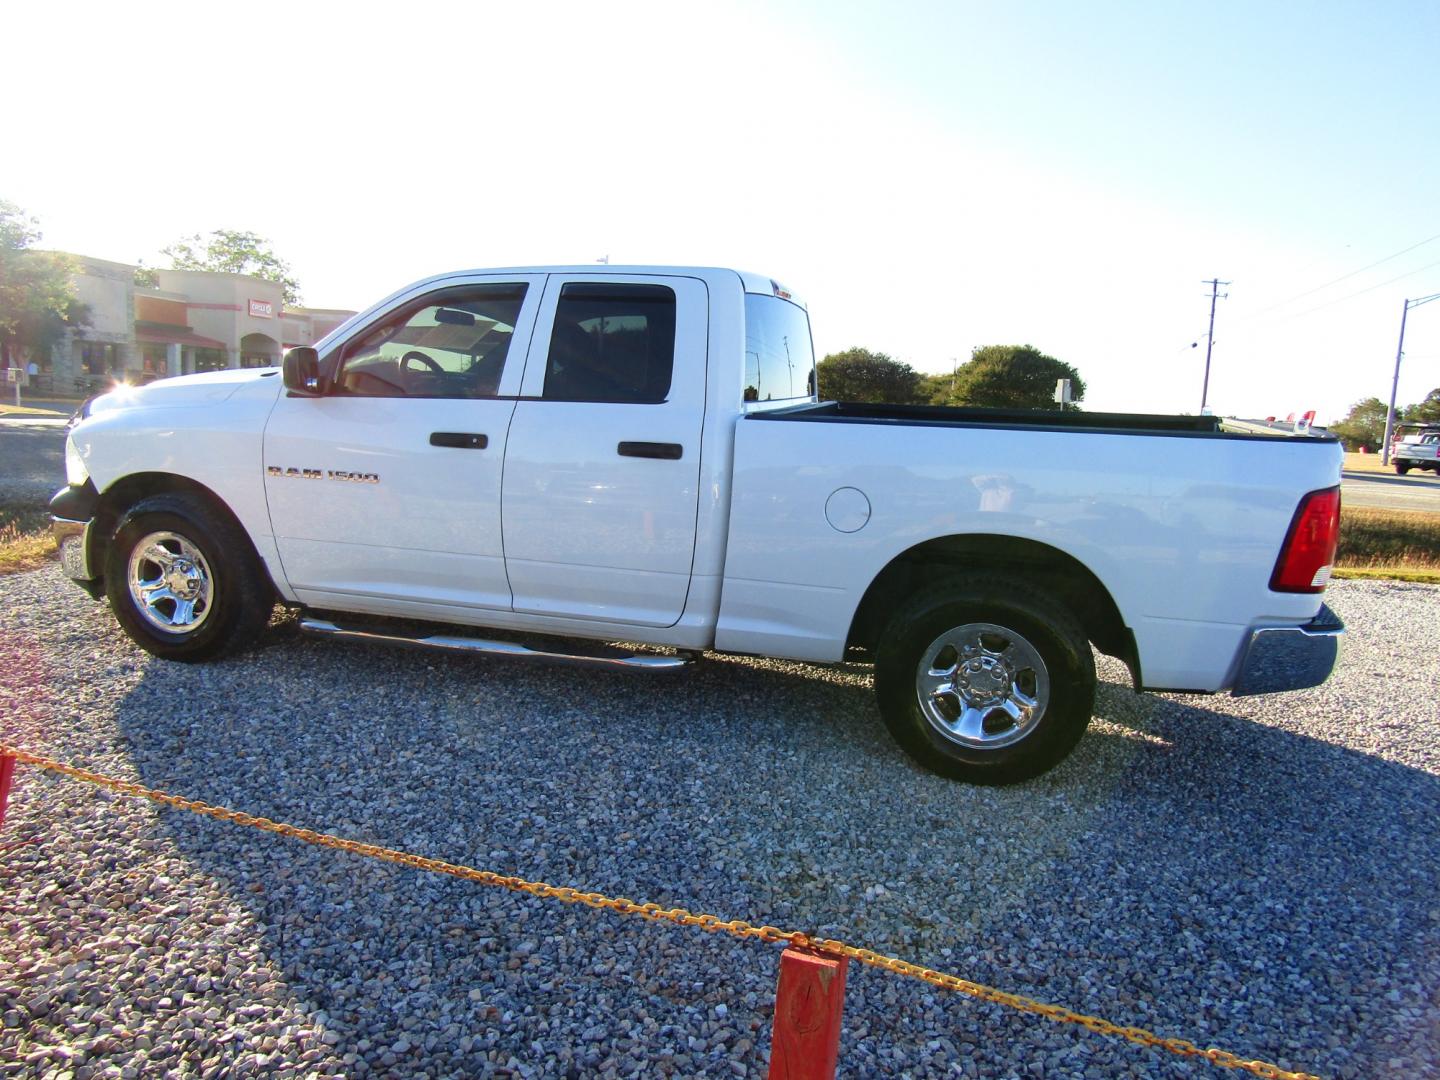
(1180, 526)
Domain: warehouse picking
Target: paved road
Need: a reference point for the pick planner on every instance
(1418, 491)
(32, 461)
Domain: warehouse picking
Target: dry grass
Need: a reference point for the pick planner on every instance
(1388, 543)
(1393, 544)
(25, 540)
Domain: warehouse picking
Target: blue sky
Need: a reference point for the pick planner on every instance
(930, 177)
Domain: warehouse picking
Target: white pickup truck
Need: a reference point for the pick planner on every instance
(639, 454)
(1420, 449)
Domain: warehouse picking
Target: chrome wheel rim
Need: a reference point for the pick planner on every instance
(171, 583)
(982, 686)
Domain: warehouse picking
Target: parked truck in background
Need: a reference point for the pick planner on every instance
(1419, 449)
(640, 454)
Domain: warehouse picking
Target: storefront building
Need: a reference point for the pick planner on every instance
(195, 320)
(107, 342)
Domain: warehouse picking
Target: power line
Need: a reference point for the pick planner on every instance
(1345, 277)
(1362, 292)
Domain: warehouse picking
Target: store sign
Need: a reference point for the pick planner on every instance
(262, 309)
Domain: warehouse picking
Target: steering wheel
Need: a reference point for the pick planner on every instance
(419, 357)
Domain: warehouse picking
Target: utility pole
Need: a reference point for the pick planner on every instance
(1215, 294)
(1395, 382)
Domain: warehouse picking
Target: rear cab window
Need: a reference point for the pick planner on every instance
(779, 358)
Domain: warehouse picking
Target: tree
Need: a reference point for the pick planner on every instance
(18, 230)
(861, 375)
(37, 290)
(1009, 377)
(937, 389)
(1426, 411)
(1365, 424)
(234, 253)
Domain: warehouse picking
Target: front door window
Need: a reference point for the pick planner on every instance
(448, 345)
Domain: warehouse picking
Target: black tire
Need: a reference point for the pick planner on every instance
(212, 564)
(1024, 626)
(1401, 469)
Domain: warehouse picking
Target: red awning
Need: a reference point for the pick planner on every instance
(158, 334)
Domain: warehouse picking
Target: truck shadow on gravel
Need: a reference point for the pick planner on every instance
(1188, 869)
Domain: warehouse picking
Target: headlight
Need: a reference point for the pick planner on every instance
(75, 472)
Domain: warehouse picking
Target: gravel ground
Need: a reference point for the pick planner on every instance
(1254, 874)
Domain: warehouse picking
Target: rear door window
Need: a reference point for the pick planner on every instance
(612, 342)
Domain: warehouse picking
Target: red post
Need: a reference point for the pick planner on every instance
(7, 777)
(805, 1044)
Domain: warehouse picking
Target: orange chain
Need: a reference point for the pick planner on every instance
(680, 916)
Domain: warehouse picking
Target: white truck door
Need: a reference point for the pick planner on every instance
(388, 487)
(603, 463)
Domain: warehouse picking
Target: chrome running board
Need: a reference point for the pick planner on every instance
(455, 643)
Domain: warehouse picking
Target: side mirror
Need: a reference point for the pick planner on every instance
(302, 372)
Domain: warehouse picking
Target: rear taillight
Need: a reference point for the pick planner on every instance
(1309, 553)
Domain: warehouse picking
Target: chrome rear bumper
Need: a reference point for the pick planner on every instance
(1278, 658)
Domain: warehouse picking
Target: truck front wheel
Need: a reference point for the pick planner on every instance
(985, 680)
(183, 580)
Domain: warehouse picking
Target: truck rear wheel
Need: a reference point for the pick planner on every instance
(183, 581)
(1401, 469)
(985, 680)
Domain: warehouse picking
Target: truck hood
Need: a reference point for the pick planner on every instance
(183, 391)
